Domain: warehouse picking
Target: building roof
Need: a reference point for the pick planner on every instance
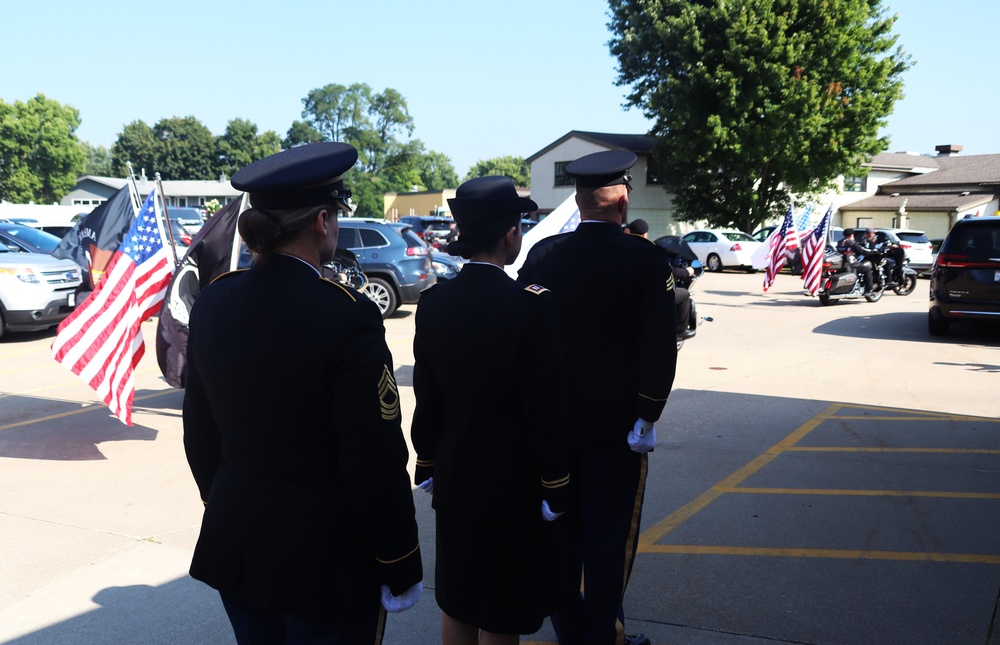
(973, 169)
(637, 143)
(920, 201)
(905, 161)
(172, 187)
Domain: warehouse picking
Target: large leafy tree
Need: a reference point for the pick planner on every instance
(514, 167)
(98, 160)
(40, 154)
(436, 171)
(379, 125)
(186, 149)
(755, 100)
(301, 133)
(241, 145)
(136, 143)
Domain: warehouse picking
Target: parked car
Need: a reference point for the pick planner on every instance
(527, 224)
(965, 279)
(37, 290)
(793, 257)
(718, 249)
(915, 244)
(432, 229)
(189, 217)
(446, 267)
(395, 259)
(27, 239)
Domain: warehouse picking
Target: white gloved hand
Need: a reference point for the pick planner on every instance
(642, 438)
(547, 513)
(427, 485)
(395, 604)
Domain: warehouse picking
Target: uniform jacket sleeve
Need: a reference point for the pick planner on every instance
(201, 434)
(428, 414)
(373, 452)
(658, 338)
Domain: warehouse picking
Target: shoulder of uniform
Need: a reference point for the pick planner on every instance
(536, 289)
(640, 238)
(340, 288)
(227, 274)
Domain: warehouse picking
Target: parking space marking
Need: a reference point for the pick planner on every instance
(731, 485)
(88, 407)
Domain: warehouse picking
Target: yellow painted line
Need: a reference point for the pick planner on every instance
(857, 492)
(945, 451)
(900, 411)
(681, 515)
(911, 556)
(915, 417)
(90, 407)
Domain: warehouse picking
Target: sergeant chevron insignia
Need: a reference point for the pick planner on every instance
(670, 282)
(388, 395)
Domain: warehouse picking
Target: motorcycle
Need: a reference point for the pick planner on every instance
(679, 254)
(345, 269)
(841, 280)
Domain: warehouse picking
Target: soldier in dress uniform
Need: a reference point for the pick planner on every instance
(488, 427)
(292, 425)
(605, 282)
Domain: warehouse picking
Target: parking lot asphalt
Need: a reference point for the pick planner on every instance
(822, 475)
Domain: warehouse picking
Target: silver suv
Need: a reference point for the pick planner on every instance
(36, 290)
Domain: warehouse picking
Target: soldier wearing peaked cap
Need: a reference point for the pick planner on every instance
(488, 427)
(616, 393)
(292, 425)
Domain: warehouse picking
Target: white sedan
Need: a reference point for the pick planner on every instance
(719, 249)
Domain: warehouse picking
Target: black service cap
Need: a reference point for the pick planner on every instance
(607, 168)
(309, 175)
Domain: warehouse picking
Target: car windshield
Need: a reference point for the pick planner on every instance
(913, 237)
(32, 236)
(737, 236)
(438, 226)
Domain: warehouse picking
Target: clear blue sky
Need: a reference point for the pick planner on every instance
(481, 79)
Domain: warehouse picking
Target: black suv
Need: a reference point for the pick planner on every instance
(432, 229)
(965, 278)
(396, 261)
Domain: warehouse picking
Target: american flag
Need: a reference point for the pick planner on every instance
(776, 250)
(812, 254)
(101, 341)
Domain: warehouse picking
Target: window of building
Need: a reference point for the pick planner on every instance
(856, 184)
(652, 173)
(562, 179)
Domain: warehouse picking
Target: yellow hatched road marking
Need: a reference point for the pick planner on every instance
(911, 556)
(858, 492)
(955, 451)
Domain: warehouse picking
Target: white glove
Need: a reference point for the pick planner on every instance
(395, 604)
(643, 436)
(427, 485)
(547, 513)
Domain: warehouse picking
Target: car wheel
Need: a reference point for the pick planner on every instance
(3, 325)
(714, 262)
(750, 269)
(382, 294)
(936, 323)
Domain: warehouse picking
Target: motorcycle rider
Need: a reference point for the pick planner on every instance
(682, 282)
(848, 247)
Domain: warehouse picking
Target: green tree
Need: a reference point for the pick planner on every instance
(757, 99)
(98, 160)
(436, 171)
(40, 154)
(514, 167)
(185, 149)
(136, 143)
(301, 133)
(240, 145)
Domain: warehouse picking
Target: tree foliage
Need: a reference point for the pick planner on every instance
(136, 143)
(379, 125)
(755, 99)
(186, 149)
(240, 145)
(98, 161)
(301, 133)
(514, 167)
(40, 154)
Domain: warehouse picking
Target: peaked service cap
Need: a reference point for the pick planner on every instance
(309, 175)
(607, 168)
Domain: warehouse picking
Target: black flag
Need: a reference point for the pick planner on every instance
(93, 241)
(209, 256)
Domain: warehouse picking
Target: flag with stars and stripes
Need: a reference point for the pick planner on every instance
(776, 249)
(813, 249)
(101, 341)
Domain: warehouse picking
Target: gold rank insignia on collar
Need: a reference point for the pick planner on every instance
(536, 289)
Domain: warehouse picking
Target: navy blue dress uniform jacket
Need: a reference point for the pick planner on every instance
(292, 431)
(489, 422)
(614, 296)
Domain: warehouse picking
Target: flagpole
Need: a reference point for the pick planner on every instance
(166, 217)
(133, 188)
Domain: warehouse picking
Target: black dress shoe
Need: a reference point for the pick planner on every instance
(637, 639)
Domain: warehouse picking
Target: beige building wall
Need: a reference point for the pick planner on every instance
(426, 202)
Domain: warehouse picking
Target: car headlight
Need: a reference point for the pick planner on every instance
(24, 275)
(441, 268)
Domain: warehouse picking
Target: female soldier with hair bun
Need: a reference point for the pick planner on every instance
(488, 427)
(292, 425)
